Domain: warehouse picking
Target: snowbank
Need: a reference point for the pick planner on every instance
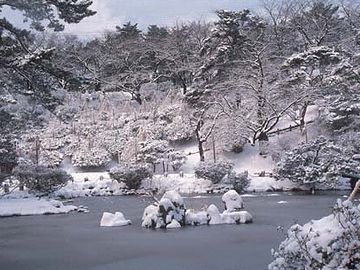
(263, 184)
(34, 206)
(114, 220)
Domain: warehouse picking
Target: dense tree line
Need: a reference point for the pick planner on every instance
(231, 81)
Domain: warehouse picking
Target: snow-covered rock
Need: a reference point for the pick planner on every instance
(114, 220)
(171, 211)
(174, 197)
(227, 217)
(238, 217)
(149, 217)
(196, 218)
(174, 224)
(232, 200)
(33, 206)
(170, 207)
(214, 215)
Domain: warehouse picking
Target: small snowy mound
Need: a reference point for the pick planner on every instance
(196, 218)
(114, 220)
(238, 217)
(33, 206)
(214, 215)
(233, 201)
(171, 207)
(332, 242)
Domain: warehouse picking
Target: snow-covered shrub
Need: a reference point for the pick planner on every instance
(168, 213)
(332, 242)
(342, 113)
(240, 181)
(318, 162)
(131, 174)
(153, 152)
(176, 159)
(41, 178)
(8, 156)
(51, 158)
(94, 157)
(214, 172)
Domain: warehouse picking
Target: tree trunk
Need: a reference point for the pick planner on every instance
(302, 119)
(201, 151)
(214, 148)
(200, 141)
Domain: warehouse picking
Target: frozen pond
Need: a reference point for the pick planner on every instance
(75, 241)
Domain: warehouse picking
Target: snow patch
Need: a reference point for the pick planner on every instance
(33, 206)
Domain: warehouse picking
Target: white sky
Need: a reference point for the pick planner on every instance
(146, 12)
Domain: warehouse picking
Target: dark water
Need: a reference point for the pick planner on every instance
(75, 241)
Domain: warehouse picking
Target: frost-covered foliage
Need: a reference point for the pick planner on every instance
(8, 156)
(90, 157)
(168, 213)
(332, 242)
(51, 158)
(41, 178)
(159, 151)
(132, 174)
(318, 56)
(319, 162)
(342, 113)
(239, 181)
(212, 171)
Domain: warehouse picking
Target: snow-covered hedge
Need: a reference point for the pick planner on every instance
(239, 181)
(214, 172)
(131, 174)
(90, 157)
(41, 178)
(331, 243)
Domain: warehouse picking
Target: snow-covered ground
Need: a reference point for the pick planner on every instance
(262, 184)
(34, 206)
(91, 184)
(186, 184)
